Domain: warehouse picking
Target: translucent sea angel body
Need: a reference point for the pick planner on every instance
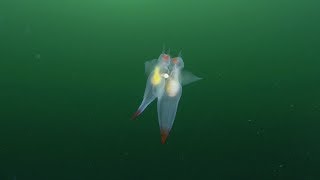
(165, 81)
(157, 70)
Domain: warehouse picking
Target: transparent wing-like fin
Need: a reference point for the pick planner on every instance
(187, 77)
(149, 66)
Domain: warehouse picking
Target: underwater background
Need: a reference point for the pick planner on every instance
(72, 74)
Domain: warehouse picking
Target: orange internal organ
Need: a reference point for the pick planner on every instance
(165, 57)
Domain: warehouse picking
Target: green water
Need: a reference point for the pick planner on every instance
(72, 74)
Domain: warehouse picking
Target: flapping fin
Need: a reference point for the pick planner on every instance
(187, 78)
(149, 66)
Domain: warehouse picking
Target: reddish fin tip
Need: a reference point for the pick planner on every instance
(164, 136)
(135, 115)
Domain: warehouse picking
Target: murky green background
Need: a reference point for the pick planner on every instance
(72, 74)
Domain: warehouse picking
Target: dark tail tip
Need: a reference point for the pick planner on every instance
(164, 136)
(135, 115)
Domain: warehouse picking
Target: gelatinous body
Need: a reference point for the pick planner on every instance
(165, 82)
(155, 82)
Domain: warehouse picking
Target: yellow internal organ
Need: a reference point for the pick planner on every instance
(172, 88)
(156, 78)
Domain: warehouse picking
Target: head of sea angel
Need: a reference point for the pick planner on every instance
(164, 61)
(164, 58)
(177, 63)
